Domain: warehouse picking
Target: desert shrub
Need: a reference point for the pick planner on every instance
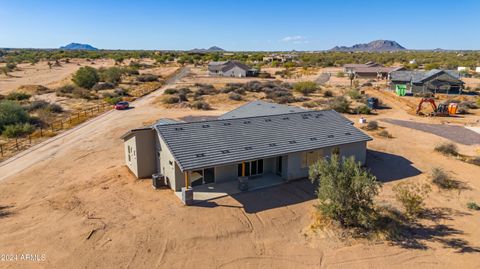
(371, 126)
(310, 104)
(86, 77)
(182, 96)
(367, 84)
(131, 71)
(305, 87)
(253, 86)
(36, 105)
(205, 89)
(235, 96)
(55, 108)
(103, 86)
(17, 96)
(354, 94)
(424, 95)
(18, 130)
(12, 113)
(411, 196)
(340, 74)
(65, 90)
(340, 104)
(112, 75)
(121, 92)
(345, 191)
(443, 180)
(468, 104)
(170, 91)
(113, 100)
(172, 99)
(328, 93)
(363, 109)
(81, 93)
(473, 206)
(385, 133)
(474, 160)
(201, 105)
(147, 78)
(447, 148)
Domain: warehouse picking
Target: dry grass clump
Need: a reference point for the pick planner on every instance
(200, 105)
(371, 126)
(443, 180)
(411, 196)
(447, 148)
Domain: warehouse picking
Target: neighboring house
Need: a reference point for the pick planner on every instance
(477, 69)
(378, 72)
(260, 108)
(370, 70)
(230, 69)
(207, 152)
(433, 81)
(350, 68)
(282, 58)
(463, 68)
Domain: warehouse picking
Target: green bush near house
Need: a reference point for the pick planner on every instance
(17, 96)
(411, 196)
(345, 191)
(305, 87)
(12, 113)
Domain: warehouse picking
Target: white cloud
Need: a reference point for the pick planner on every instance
(297, 39)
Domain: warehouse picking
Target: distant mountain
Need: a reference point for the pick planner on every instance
(211, 49)
(374, 46)
(78, 46)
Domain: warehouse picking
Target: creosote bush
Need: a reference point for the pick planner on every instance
(235, 96)
(411, 196)
(385, 133)
(17, 96)
(18, 130)
(305, 87)
(345, 191)
(86, 77)
(172, 99)
(328, 93)
(200, 105)
(340, 104)
(473, 206)
(371, 126)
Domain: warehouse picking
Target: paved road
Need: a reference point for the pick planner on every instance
(75, 136)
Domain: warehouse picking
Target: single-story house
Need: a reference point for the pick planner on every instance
(349, 68)
(433, 81)
(378, 72)
(230, 69)
(477, 69)
(233, 148)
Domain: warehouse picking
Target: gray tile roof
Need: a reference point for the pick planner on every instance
(260, 108)
(227, 65)
(420, 76)
(204, 144)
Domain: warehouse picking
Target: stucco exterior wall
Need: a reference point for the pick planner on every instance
(130, 147)
(146, 160)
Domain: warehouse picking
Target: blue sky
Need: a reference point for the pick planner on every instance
(239, 25)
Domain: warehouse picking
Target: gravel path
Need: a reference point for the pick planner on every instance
(454, 133)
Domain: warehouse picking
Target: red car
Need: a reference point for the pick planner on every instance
(121, 105)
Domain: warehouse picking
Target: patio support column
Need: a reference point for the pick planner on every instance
(243, 180)
(187, 191)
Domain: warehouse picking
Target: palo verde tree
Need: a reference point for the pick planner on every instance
(86, 77)
(345, 191)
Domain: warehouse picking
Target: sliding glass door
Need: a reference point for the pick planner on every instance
(253, 168)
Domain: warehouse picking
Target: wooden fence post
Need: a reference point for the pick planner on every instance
(41, 131)
(16, 143)
(29, 139)
(1, 149)
(61, 124)
(52, 127)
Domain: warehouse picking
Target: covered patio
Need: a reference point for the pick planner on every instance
(216, 190)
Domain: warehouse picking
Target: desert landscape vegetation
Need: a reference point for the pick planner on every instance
(67, 194)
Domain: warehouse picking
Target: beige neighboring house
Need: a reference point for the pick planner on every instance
(256, 140)
(230, 69)
(477, 69)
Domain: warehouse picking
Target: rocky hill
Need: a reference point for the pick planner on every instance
(374, 46)
(78, 46)
(211, 49)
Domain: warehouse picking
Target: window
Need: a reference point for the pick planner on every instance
(252, 168)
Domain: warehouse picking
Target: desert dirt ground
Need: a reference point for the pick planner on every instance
(54, 196)
(41, 74)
